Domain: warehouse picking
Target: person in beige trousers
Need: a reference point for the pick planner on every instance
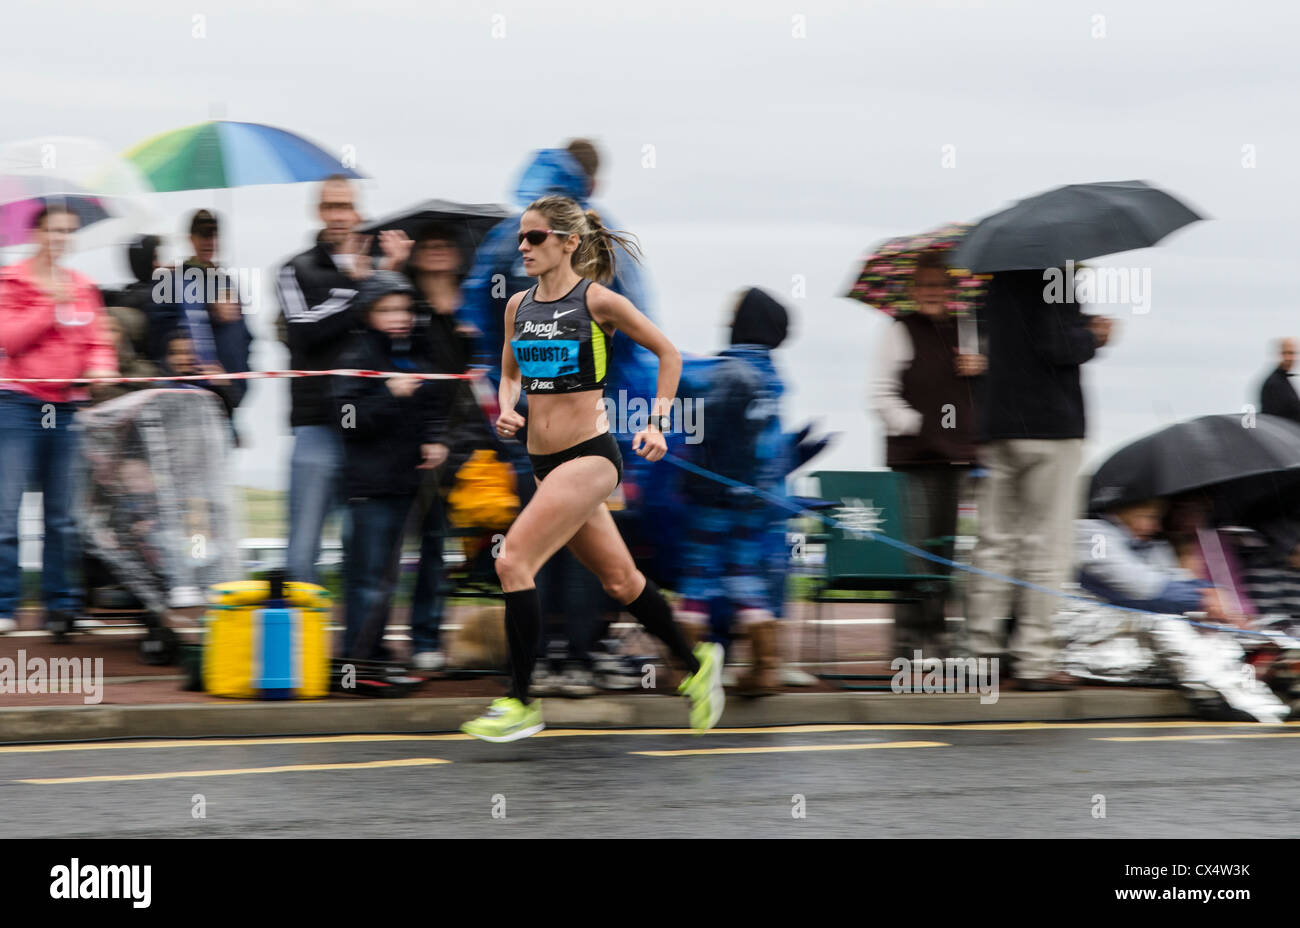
(1032, 426)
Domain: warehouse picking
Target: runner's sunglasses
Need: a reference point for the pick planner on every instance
(537, 236)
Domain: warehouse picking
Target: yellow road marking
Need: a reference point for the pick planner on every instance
(787, 749)
(157, 744)
(294, 768)
(1205, 737)
(221, 742)
(373, 739)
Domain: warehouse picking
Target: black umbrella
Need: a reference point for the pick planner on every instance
(1241, 463)
(1070, 224)
(471, 220)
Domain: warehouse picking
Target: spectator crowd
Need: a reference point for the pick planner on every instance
(1002, 402)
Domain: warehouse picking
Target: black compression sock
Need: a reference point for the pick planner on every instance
(654, 613)
(523, 623)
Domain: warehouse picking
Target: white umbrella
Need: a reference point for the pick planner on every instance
(62, 166)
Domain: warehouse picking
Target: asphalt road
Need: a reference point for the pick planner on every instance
(1175, 779)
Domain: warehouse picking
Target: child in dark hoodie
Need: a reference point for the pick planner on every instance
(392, 429)
(179, 359)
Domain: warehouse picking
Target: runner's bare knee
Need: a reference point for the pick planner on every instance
(623, 584)
(513, 572)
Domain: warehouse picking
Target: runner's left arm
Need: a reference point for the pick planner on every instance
(613, 310)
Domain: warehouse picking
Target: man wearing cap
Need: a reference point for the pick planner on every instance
(215, 319)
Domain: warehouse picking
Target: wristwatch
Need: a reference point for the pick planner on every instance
(660, 423)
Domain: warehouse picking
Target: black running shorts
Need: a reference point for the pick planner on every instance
(602, 445)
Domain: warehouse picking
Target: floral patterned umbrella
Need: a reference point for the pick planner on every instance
(887, 272)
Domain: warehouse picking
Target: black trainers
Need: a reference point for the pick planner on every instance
(159, 647)
(577, 681)
(60, 625)
(616, 671)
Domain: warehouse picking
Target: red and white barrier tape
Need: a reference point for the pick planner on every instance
(247, 375)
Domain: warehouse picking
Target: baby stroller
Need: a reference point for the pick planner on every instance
(156, 507)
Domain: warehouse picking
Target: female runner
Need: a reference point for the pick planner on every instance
(559, 332)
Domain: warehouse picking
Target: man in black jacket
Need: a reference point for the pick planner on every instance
(391, 429)
(1276, 395)
(317, 291)
(1032, 426)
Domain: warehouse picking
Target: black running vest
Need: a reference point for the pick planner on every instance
(559, 347)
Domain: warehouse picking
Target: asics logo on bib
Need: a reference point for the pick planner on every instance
(542, 385)
(544, 329)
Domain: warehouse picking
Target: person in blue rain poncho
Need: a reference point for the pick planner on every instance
(723, 548)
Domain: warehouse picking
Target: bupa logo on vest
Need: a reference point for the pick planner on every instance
(543, 329)
(105, 881)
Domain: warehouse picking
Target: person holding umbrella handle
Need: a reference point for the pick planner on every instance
(922, 390)
(1031, 429)
(1100, 327)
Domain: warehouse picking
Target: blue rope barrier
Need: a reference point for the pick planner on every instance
(784, 503)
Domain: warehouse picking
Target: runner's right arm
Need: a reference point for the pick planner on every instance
(511, 382)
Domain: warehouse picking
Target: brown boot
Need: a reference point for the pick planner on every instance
(693, 630)
(764, 675)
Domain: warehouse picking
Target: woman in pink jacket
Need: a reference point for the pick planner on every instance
(52, 325)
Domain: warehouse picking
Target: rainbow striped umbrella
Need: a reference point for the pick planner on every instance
(231, 154)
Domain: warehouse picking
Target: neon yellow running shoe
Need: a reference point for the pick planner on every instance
(507, 719)
(704, 687)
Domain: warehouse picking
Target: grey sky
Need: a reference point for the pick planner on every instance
(775, 156)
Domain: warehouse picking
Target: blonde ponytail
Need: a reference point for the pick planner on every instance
(595, 258)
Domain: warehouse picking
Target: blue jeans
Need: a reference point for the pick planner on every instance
(315, 490)
(377, 525)
(38, 448)
(427, 597)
